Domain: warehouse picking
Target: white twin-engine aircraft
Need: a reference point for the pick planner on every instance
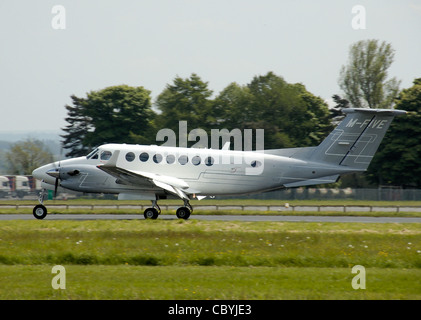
(158, 172)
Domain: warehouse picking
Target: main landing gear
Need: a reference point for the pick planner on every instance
(181, 213)
(154, 212)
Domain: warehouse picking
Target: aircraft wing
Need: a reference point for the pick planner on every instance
(141, 178)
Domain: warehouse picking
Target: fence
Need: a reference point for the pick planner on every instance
(380, 194)
(277, 208)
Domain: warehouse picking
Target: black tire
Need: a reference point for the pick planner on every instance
(39, 212)
(151, 213)
(183, 213)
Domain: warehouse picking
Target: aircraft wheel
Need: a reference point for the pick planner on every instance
(183, 213)
(151, 213)
(39, 212)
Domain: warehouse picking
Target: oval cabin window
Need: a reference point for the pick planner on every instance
(157, 158)
(144, 157)
(183, 160)
(130, 156)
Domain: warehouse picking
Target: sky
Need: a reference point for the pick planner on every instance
(45, 59)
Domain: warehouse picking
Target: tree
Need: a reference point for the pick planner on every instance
(364, 79)
(186, 100)
(232, 107)
(25, 156)
(398, 161)
(290, 115)
(336, 113)
(117, 114)
(77, 129)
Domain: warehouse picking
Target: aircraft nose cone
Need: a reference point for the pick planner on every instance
(53, 173)
(37, 173)
(42, 173)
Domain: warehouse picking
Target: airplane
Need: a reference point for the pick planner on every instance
(159, 172)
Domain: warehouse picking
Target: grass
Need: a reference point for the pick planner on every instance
(177, 259)
(199, 282)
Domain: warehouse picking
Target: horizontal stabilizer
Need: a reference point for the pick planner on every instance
(310, 182)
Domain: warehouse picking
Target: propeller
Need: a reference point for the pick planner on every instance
(55, 188)
(57, 182)
(55, 174)
(59, 174)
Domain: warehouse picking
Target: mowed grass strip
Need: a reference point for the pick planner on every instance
(211, 282)
(206, 243)
(146, 259)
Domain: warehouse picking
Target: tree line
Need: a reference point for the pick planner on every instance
(290, 115)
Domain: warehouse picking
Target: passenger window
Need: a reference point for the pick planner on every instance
(196, 160)
(130, 156)
(157, 158)
(170, 159)
(106, 155)
(183, 160)
(144, 157)
(209, 161)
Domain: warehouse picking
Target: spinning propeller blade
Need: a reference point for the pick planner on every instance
(55, 188)
(57, 181)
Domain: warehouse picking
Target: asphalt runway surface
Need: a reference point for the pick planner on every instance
(250, 218)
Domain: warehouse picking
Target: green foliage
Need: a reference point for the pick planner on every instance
(117, 111)
(76, 130)
(185, 100)
(290, 115)
(398, 161)
(118, 114)
(25, 156)
(364, 79)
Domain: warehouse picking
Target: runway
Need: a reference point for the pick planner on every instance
(250, 218)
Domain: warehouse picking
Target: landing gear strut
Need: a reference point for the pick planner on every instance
(40, 211)
(154, 212)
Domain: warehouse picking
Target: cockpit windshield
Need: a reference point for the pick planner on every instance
(93, 154)
(98, 154)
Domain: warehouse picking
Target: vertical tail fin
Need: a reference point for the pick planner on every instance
(356, 139)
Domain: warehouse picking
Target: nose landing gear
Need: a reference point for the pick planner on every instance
(40, 211)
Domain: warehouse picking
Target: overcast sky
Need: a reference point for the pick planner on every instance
(148, 43)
